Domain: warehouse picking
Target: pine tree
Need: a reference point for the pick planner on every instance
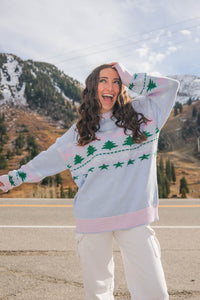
(183, 193)
(167, 187)
(3, 162)
(173, 173)
(189, 101)
(175, 111)
(198, 119)
(62, 193)
(183, 186)
(194, 112)
(58, 179)
(70, 193)
(161, 166)
(168, 169)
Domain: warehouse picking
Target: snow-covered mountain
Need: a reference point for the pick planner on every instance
(39, 86)
(10, 88)
(189, 87)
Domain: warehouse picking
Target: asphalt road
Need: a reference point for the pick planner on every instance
(38, 257)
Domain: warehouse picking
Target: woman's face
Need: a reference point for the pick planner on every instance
(108, 89)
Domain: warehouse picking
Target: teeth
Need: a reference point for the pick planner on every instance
(108, 95)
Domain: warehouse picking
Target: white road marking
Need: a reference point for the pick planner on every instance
(72, 227)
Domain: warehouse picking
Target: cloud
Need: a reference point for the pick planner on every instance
(185, 32)
(143, 51)
(171, 49)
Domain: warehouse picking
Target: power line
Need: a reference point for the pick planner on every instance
(111, 48)
(130, 36)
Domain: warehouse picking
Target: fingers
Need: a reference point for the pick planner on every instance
(1, 184)
(113, 64)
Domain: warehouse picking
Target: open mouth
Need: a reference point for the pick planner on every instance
(107, 97)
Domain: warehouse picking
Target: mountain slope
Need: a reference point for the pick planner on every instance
(189, 87)
(40, 87)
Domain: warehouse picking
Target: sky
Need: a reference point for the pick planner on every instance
(160, 37)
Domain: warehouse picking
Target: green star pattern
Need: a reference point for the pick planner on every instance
(131, 85)
(119, 164)
(91, 169)
(104, 167)
(144, 156)
(131, 162)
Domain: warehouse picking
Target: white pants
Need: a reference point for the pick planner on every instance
(141, 258)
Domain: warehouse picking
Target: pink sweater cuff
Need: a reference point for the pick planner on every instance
(6, 183)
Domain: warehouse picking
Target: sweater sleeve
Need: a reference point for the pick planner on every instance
(160, 91)
(50, 162)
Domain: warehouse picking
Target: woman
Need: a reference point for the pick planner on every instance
(111, 153)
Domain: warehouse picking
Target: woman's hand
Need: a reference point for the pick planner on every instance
(113, 64)
(125, 76)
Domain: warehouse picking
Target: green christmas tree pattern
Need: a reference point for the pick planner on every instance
(78, 159)
(128, 141)
(22, 175)
(11, 180)
(151, 85)
(147, 133)
(135, 76)
(91, 150)
(157, 130)
(109, 145)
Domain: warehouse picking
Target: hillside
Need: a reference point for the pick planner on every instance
(19, 121)
(40, 87)
(179, 140)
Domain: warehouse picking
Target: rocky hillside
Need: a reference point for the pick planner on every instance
(40, 87)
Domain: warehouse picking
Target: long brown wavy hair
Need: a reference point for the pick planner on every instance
(123, 112)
